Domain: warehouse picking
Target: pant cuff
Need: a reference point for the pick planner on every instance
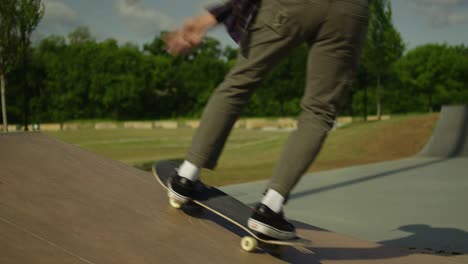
(200, 161)
(280, 189)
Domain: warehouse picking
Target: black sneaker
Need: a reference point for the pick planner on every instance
(267, 222)
(180, 189)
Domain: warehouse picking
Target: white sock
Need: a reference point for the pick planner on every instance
(273, 200)
(189, 170)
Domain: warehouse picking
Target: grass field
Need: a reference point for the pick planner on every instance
(251, 154)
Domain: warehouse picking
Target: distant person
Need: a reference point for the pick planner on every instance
(267, 31)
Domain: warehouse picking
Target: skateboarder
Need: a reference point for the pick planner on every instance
(267, 31)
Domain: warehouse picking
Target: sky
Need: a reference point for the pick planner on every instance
(139, 21)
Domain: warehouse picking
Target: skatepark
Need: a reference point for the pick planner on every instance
(413, 202)
(62, 204)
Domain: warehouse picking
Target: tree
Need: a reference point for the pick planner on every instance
(18, 18)
(80, 35)
(51, 55)
(437, 73)
(156, 47)
(29, 13)
(196, 75)
(8, 48)
(384, 46)
(280, 92)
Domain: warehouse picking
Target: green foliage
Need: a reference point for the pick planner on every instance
(83, 79)
(437, 73)
(280, 92)
(81, 35)
(384, 46)
(76, 77)
(18, 19)
(9, 37)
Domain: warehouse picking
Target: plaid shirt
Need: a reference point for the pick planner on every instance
(236, 15)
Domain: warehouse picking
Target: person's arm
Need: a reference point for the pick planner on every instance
(194, 29)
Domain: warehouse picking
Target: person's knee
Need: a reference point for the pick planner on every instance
(317, 114)
(237, 87)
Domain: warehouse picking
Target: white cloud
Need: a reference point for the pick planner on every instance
(146, 21)
(442, 13)
(57, 11)
(59, 18)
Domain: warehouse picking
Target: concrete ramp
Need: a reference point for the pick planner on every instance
(62, 204)
(450, 137)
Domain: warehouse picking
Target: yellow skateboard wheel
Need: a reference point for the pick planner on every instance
(174, 203)
(248, 243)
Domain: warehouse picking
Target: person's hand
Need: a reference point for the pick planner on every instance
(176, 43)
(190, 35)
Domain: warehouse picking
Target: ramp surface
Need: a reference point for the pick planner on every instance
(450, 137)
(416, 202)
(413, 203)
(62, 204)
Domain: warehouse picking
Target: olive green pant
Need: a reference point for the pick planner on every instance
(335, 32)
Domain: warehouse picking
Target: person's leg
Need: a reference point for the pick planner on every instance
(270, 38)
(266, 45)
(332, 63)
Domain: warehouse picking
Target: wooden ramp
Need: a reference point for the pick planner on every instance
(62, 204)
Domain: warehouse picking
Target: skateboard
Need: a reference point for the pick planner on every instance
(230, 209)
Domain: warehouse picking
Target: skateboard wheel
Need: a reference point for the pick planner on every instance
(249, 244)
(174, 203)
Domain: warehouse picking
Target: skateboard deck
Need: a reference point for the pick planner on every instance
(228, 208)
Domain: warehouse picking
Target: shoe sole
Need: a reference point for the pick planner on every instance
(269, 230)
